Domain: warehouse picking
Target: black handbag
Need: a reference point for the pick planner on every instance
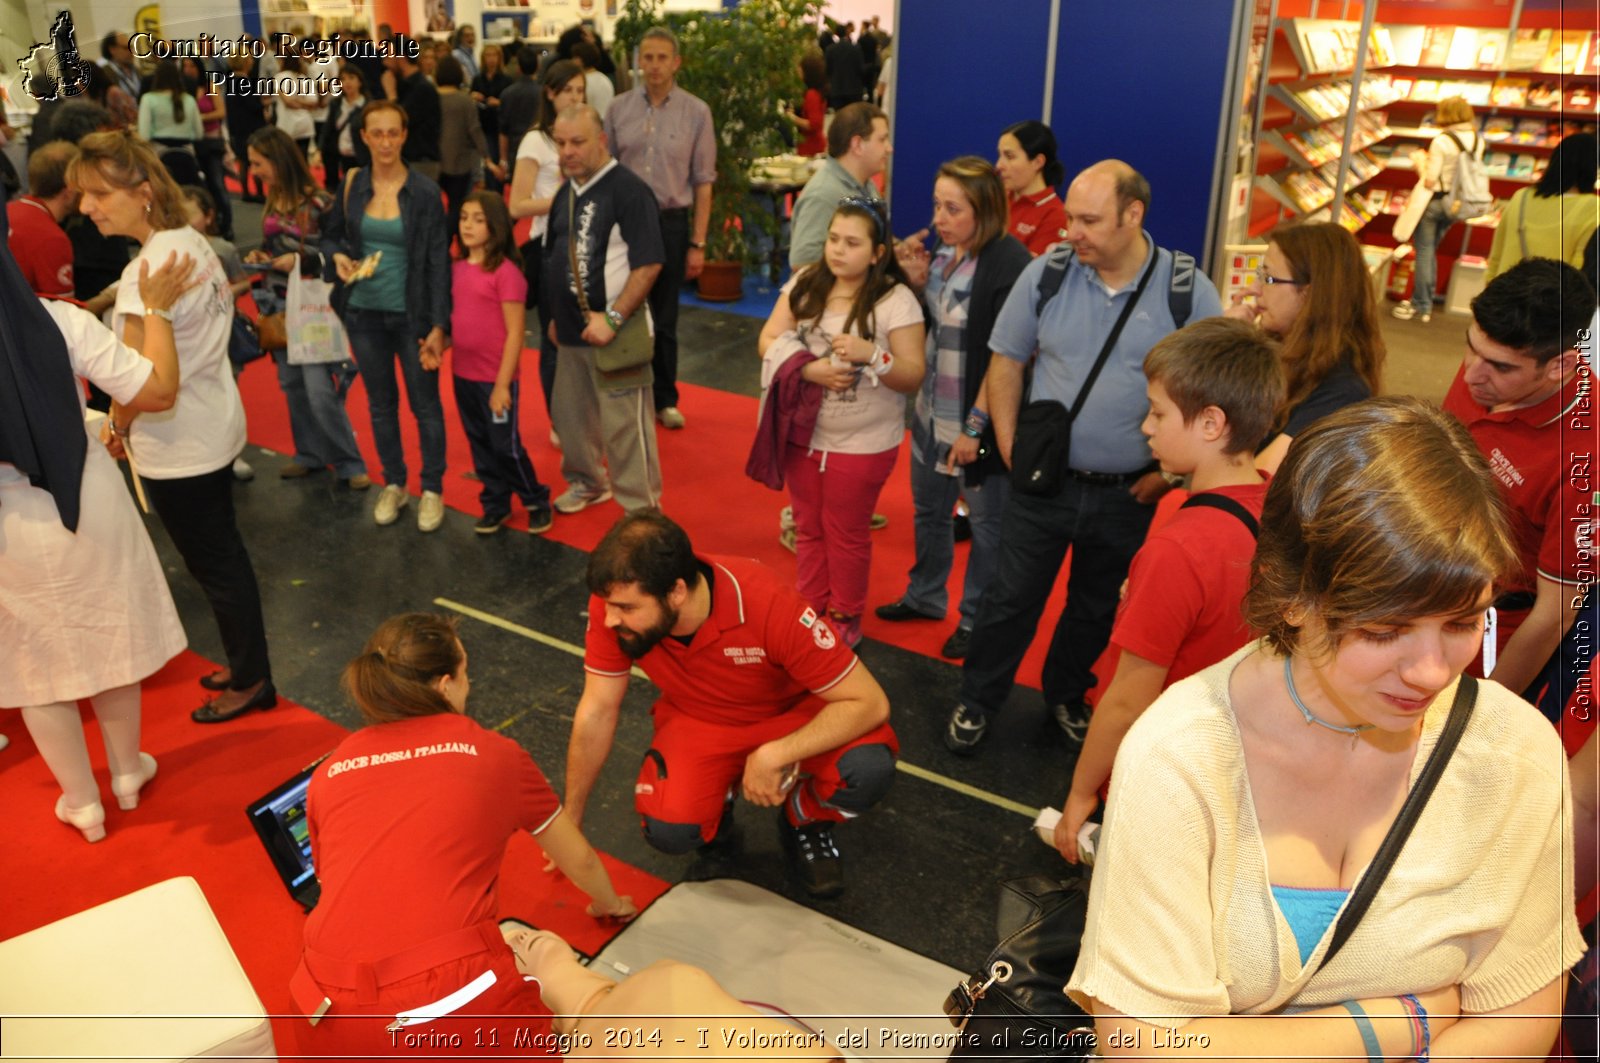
(1017, 1008)
(1043, 440)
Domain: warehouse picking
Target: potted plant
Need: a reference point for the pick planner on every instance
(744, 63)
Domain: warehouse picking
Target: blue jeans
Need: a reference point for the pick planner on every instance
(1105, 526)
(933, 494)
(318, 419)
(1430, 230)
(378, 337)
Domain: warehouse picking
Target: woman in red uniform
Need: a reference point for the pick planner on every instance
(1031, 172)
(409, 819)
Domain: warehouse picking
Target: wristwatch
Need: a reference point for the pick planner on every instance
(614, 318)
(698, 245)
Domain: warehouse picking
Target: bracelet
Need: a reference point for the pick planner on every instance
(165, 315)
(881, 362)
(614, 318)
(120, 432)
(1369, 1038)
(1422, 1037)
(977, 421)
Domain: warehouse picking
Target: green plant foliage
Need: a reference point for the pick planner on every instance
(744, 63)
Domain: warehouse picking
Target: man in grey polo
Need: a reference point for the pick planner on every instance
(1103, 506)
(858, 150)
(664, 135)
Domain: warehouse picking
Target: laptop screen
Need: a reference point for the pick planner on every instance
(279, 819)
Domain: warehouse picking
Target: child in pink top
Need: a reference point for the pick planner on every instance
(486, 327)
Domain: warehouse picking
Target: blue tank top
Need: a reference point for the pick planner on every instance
(385, 289)
(1309, 913)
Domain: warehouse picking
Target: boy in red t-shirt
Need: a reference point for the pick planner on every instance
(1215, 387)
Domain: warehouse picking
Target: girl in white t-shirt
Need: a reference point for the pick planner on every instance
(533, 189)
(184, 455)
(863, 327)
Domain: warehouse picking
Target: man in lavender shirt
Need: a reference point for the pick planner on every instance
(664, 135)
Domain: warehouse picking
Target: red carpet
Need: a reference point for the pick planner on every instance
(192, 822)
(706, 490)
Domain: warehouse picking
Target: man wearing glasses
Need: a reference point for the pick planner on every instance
(858, 150)
(1101, 504)
(1525, 390)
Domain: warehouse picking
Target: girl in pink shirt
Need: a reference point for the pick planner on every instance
(486, 326)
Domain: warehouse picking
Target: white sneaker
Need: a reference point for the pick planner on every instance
(430, 514)
(391, 500)
(242, 470)
(1404, 311)
(575, 499)
(670, 417)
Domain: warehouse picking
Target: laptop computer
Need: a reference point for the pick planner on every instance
(279, 819)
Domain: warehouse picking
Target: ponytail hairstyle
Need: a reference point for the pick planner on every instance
(1036, 139)
(809, 296)
(169, 79)
(394, 676)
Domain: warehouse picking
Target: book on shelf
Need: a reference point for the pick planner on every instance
(1426, 90)
(1544, 95)
(1529, 131)
(1497, 162)
(1510, 92)
(1491, 51)
(1402, 87)
(1497, 128)
(1463, 54)
(1436, 45)
(1591, 66)
(1528, 48)
(1521, 166)
(1380, 49)
(1568, 52)
(1475, 92)
(1324, 50)
(1580, 98)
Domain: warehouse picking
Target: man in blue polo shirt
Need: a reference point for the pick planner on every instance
(1103, 505)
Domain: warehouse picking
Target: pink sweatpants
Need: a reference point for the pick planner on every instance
(833, 496)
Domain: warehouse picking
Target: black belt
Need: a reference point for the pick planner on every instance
(1106, 479)
(674, 212)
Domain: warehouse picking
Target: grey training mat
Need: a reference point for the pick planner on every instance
(869, 997)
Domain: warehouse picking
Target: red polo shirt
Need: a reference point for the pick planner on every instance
(1038, 221)
(760, 653)
(1186, 584)
(1543, 458)
(41, 247)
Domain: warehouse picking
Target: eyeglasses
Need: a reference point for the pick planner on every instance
(1267, 280)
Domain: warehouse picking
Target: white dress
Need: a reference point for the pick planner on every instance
(86, 612)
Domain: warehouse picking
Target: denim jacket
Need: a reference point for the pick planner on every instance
(427, 235)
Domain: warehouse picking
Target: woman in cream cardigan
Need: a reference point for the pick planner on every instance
(1249, 800)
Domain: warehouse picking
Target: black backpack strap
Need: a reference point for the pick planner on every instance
(1212, 500)
(1055, 270)
(1180, 295)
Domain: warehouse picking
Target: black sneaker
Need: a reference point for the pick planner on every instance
(965, 730)
(813, 857)
(540, 518)
(956, 646)
(1073, 720)
(489, 524)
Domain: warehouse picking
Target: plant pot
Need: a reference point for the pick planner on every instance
(722, 282)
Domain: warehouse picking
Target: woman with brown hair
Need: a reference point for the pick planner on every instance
(291, 227)
(1314, 294)
(409, 819)
(963, 286)
(812, 115)
(184, 455)
(1250, 801)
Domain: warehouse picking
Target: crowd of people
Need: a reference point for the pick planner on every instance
(1293, 641)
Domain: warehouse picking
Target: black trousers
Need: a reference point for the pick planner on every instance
(533, 270)
(664, 305)
(197, 512)
(498, 455)
(1105, 526)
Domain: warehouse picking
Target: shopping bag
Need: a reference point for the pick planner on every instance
(316, 335)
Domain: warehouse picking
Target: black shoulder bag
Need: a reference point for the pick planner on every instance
(1017, 1008)
(1042, 444)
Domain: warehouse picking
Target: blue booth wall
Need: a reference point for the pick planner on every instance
(965, 71)
(1140, 80)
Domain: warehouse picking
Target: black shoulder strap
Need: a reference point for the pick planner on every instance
(1111, 340)
(1055, 269)
(1416, 800)
(1212, 500)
